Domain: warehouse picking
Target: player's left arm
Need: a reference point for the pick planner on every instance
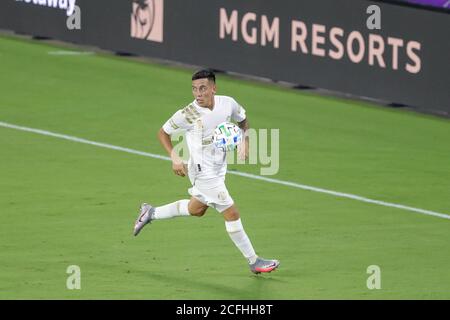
(239, 115)
(244, 146)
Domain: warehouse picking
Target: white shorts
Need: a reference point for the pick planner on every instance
(213, 193)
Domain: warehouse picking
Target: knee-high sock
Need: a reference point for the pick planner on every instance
(241, 240)
(175, 209)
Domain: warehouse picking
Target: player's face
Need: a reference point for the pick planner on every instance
(204, 91)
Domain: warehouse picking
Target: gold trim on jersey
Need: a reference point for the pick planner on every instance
(207, 141)
(172, 123)
(190, 113)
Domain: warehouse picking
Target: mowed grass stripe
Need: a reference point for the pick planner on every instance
(243, 174)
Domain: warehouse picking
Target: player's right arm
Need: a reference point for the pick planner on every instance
(178, 166)
(175, 123)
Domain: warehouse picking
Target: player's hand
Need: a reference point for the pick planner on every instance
(179, 168)
(243, 150)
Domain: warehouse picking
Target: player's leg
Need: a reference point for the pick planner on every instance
(178, 208)
(196, 207)
(238, 235)
(148, 213)
(236, 231)
(192, 207)
(216, 194)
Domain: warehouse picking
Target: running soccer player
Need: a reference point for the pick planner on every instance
(207, 165)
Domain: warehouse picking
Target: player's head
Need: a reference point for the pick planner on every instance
(204, 87)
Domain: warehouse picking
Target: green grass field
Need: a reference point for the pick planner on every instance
(65, 203)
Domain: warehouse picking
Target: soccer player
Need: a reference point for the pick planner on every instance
(207, 165)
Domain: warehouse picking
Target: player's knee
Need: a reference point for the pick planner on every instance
(231, 214)
(198, 212)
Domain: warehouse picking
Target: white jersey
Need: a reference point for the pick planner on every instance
(205, 161)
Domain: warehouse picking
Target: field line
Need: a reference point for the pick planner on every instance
(242, 174)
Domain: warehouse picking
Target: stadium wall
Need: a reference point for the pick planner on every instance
(324, 44)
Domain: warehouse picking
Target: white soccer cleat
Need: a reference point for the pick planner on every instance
(264, 265)
(145, 216)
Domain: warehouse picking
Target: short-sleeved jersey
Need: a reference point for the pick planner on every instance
(205, 162)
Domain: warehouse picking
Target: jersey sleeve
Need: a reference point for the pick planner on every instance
(176, 123)
(238, 113)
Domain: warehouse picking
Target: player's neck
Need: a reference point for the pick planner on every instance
(210, 106)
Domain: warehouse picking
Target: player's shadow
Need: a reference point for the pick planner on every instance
(256, 289)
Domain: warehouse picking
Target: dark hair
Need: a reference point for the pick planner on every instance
(204, 73)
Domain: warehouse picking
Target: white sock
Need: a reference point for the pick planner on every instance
(241, 240)
(175, 209)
